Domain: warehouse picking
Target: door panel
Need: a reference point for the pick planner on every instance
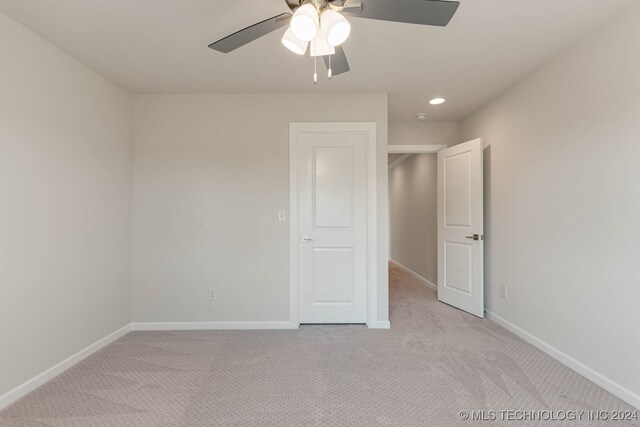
(333, 176)
(332, 275)
(458, 261)
(333, 186)
(457, 204)
(460, 227)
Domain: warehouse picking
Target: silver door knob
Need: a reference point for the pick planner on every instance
(307, 239)
(476, 237)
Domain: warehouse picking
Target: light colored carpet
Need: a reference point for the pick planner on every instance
(433, 363)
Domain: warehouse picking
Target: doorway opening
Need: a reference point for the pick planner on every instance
(436, 223)
(413, 223)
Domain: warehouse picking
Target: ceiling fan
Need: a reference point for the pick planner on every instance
(321, 25)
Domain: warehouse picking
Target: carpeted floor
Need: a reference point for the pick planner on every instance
(435, 362)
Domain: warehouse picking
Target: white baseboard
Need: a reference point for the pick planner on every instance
(415, 275)
(222, 326)
(27, 387)
(379, 324)
(210, 326)
(611, 386)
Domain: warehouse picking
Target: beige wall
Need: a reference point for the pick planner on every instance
(210, 174)
(562, 163)
(420, 133)
(413, 220)
(64, 206)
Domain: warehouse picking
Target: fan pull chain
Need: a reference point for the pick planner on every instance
(329, 72)
(315, 60)
(315, 70)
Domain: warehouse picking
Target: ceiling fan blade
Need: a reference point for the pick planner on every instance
(423, 12)
(249, 34)
(339, 64)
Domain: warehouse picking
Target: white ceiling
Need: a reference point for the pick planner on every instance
(160, 46)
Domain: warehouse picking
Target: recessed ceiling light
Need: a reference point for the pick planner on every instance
(421, 116)
(437, 101)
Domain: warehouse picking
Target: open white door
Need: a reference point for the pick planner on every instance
(461, 227)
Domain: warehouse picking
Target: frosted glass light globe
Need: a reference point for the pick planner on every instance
(293, 43)
(335, 27)
(304, 23)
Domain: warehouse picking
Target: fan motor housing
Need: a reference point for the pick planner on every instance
(320, 4)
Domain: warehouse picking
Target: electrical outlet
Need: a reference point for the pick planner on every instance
(282, 216)
(212, 294)
(503, 291)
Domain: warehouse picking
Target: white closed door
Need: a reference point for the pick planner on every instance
(332, 225)
(461, 227)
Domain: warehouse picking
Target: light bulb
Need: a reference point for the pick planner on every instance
(335, 27)
(304, 23)
(293, 43)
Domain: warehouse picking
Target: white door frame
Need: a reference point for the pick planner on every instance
(409, 150)
(415, 149)
(294, 214)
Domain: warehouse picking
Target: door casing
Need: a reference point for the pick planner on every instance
(294, 212)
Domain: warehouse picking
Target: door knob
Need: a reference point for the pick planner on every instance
(307, 239)
(476, 237)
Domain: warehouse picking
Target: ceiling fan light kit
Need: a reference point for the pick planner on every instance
(322, 24)
(320, 47)
(324, 28)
